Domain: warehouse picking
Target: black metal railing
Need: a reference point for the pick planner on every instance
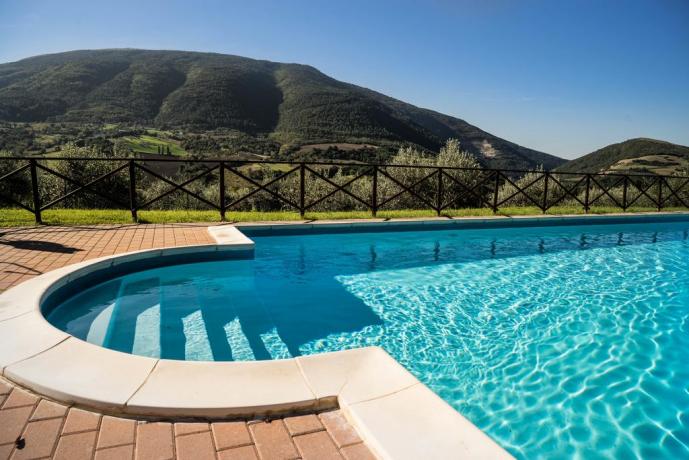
(294, 185)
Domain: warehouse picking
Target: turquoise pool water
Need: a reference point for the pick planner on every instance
(559, 342)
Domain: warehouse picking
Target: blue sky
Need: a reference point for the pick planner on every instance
(564, 77)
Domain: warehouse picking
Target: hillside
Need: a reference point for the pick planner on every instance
(634, 155)
(290, 104)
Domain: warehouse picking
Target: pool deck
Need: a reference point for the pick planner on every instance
(53, 430)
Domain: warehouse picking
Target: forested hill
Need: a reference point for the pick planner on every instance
(290, 103)
(641, 156)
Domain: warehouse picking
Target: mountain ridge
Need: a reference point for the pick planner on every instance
(288, 102)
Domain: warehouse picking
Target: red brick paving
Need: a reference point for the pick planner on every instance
(30, 251)
(272, 440)
(231, 434)
(52, 430)
(303, 424)
(316, 446)
(341, 431)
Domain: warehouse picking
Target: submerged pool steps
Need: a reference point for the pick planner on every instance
(143, 317)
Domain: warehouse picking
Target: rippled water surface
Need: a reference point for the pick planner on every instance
(559, 342)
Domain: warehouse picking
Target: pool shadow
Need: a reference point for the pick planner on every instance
(301, 315)
(274, 321)
(38, 245)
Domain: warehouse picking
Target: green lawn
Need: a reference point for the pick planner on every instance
(19, 217)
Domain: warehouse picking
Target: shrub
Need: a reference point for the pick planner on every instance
(18, 186)
(51, 186)
(450, 156)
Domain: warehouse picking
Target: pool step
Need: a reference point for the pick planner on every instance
(219, 321)
(134, 299)
(98, 328)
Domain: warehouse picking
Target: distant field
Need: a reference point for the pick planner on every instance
(149, 144)
(664, 165)
(19, 217)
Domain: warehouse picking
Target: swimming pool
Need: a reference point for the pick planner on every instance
(556, 341)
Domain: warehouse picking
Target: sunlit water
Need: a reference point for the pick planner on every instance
(559, 342)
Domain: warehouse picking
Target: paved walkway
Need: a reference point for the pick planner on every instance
(32, 427)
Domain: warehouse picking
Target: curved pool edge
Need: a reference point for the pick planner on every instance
(398, 416)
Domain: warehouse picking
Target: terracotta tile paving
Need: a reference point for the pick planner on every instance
(341, 431)
(231, 434)
(79, 420)
(303, 424)
(116, 432)
(239, 453)
(154, 441)
(76, 446)
(272, 440)
(33, 427)
(357, 452)
(46, 429)
(316, 446)
(29, 251)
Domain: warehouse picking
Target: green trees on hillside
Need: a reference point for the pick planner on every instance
(201, 93)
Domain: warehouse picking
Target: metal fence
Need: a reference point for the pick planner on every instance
(371, 187)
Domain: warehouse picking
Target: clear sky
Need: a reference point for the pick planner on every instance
(564, 77)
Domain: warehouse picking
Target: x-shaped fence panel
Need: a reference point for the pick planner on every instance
(7, 197)
(259, 187)
(400, 188)
(339, 188)
(473, 188)
(605, 191)
(567, 188)
(182, 187)
(521, 191)
(88, 187)
(641, 188)
(675, 191)
(224, 185)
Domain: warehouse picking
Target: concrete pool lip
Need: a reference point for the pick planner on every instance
(398, 416)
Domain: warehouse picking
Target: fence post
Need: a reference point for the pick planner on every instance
(660, 193)
(544, 208)
(132, 190)
(302, 189)
(374, 192)
(222, 191)
(495, 192)
(34, 191)
(586, 196)
(439, 198)
(625, 186)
